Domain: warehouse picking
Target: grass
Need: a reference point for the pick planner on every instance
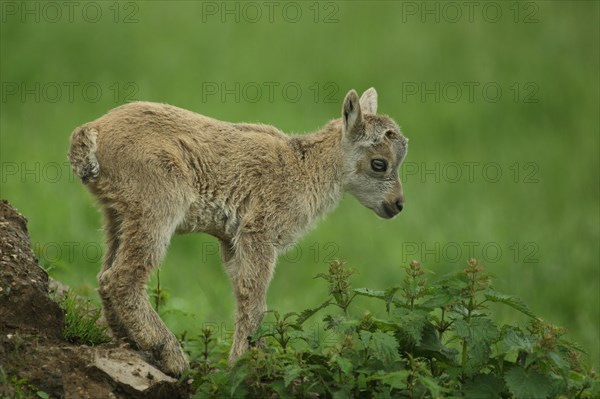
(81, 321)
(170, 55)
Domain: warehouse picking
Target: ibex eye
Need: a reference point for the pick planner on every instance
(379, 165)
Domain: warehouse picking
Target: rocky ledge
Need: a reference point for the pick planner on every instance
(33, 353)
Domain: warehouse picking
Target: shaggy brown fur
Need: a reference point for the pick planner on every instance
(157, 170)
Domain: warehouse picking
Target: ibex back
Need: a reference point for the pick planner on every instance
(157, 170)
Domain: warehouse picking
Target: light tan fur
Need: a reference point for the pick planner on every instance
(157, 169)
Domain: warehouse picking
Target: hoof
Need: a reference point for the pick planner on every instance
(172, 360)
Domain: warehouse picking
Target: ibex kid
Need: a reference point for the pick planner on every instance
(157, 170)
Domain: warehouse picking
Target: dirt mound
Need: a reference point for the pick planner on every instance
(24, 302)
(31, 346)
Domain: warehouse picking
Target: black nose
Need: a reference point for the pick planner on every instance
(399, 205)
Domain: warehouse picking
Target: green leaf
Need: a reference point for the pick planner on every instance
(395, 379)
(432, 347)
(307, 313)
(454, 282)
(478, 329)
(365, 337)
(332, 322)
(432, 386)
(572, 345)
(382, 346)
(385, 325)
(339, 323)
(280, 388)
(560, 363)
(291, 373)
(236, 379)
(440, 299)
(479, 334)
(516, 340)
(344, 364)
(341, 394)
(483, 386)
(478, 355)
(386, 295)
(412, 322)
(42, 394)
(512, 301)
(389, 297)
(385, 347)
(527, 385)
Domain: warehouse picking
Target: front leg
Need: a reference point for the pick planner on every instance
(250, 268)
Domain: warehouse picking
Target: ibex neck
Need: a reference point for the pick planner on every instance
(320, 156)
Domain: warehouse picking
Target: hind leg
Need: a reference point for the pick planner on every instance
(143, 242)
(112, 232)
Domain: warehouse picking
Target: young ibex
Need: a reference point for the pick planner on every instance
(158, 169)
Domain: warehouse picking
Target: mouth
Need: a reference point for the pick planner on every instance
(386, 211)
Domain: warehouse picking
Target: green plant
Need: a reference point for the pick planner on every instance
(81, 321)
(14, 387)
(158, 294)
(439, 340)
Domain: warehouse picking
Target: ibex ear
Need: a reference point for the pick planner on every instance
(368, 101)
(352, 116)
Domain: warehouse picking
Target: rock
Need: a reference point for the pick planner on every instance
(134, 375)
(57, 288)
(31, 343)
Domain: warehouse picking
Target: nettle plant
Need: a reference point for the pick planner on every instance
(438, 340)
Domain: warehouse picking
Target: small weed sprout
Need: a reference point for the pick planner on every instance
(158, 294)
(414, 285)
(14, 387)
(338, 277)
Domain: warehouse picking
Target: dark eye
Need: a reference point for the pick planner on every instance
(379, 165)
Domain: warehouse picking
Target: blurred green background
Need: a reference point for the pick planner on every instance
(500, 102)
